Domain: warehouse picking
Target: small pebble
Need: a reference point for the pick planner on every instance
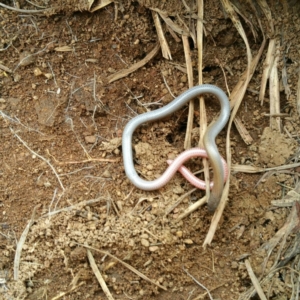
(179, 233)
(90, 139)
(106, 174)
(37, 72)
(188, 242)
(145, 242)
(153, 248)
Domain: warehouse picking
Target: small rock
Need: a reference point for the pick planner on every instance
(111, 70)
(116, 151)
(106, 174)
(183, 78)
(179, 233)
(48, 75)
(90, 139)
(153, 248)
(37, 72)
(145, 242)
(178, 190)
(17, 77)
(26, 58)
(188, 242)
(269, 215)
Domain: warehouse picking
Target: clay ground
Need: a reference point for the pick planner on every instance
(62, 175)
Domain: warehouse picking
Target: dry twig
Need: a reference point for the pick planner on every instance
(255, 281)
(98, 275)
(123, 73)
(20, 246)
(126, 265)
(189, 67)
(40, 157)
(161, 37)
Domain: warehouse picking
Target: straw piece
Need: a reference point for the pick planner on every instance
(275, 123)
(161, 37)
(20, 246)
(98, 275)
(255, 281)
(123, 73)
(189, 67)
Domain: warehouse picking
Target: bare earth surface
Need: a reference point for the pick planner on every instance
(61, 158)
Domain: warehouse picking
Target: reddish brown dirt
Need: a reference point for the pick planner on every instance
(58, 112)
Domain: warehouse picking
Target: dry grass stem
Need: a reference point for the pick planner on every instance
(275, 123)
(266, 10)
(20, 246)
(102, 4)
(247, 138)
(282, 234)
(189, 67)
(40, 157)
(6, 69)
(64, 49)
(202, 112)
(192, 208)
(298, 93)
(123, 73)
(170, 23)
(255, 281)
(83, 161)
(126, 265)
(224, 74)
(165, 49)
(74, 206)
(25, 11)
(98, 275)
(179, 200)
(167, 86)
(63, 294)
(200, 284)
(33, 54)
(237, 98)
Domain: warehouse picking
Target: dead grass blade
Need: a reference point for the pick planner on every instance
(189, 67)
(6, 69)
(170, 23)
(192, 208)
(125, 264)
(246, 169)
(289, 199)
(161, 37)
(74, 206)
(62, 294)
(64, 49)
(266, 9)
(202, 112)
(100, 5)
(237, 98)
(20, 246)
(275, 123)
(281, 235)
(178, 201)
(247, 138)
(134, 67)
(298, 93)
(98, 275)
(255, 281)
(267, 68)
